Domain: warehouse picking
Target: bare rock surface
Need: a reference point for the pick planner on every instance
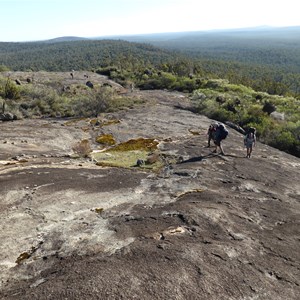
(204, 227)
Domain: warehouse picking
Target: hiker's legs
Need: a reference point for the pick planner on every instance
(217, 143)
(221, 148)
(249, 151)
(208, 141)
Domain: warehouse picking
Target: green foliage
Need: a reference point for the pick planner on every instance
(102, 99)
(165, 80)
(185, 84)
(82, 55)
(283, 140)
(38, 100)
(267, 61)
(248, 112)
(221, 114)
(10, 90)
(3, 68)
(107, 71)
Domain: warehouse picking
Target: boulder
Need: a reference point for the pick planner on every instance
(277, 116)
(235, 127)
(89, 84)
(8, 117)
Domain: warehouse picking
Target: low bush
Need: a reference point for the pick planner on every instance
(82, 148)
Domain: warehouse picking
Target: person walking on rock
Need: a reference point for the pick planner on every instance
(211, 133)
(220, 134)
(250, 140)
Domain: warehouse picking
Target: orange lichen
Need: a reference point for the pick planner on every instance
(137, 144)
(106, 139)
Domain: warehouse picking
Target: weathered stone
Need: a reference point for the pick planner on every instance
(8, 117)
(230, 229)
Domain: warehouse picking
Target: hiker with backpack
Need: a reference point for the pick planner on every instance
(211, 133)
(220, 134)
(250, 140)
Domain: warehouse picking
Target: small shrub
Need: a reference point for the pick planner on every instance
(283, 140)
(94, 103)
(221, 114)
(107, 71)
(220, 100)
(217, 84)
(3, 68)
(238, 88)
(269, 107)
(82, 148)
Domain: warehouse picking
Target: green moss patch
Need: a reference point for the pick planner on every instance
(127, 154)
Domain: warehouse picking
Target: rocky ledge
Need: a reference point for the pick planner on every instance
(197, 226)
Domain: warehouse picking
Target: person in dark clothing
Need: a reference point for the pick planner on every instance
(220, 134)
(211, 133)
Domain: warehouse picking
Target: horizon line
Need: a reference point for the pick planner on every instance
(155, 33)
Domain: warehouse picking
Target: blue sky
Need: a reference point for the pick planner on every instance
(26, 20)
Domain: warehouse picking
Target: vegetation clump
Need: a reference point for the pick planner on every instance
(129, 153)
(106, 139)
(82, 148)
(136, 144)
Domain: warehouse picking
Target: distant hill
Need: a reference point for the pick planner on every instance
(254, 32)
(67, 53)
(262, 45)
(65, 39)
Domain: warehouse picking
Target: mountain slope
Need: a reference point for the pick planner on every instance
(205, 225)
(61, 55)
